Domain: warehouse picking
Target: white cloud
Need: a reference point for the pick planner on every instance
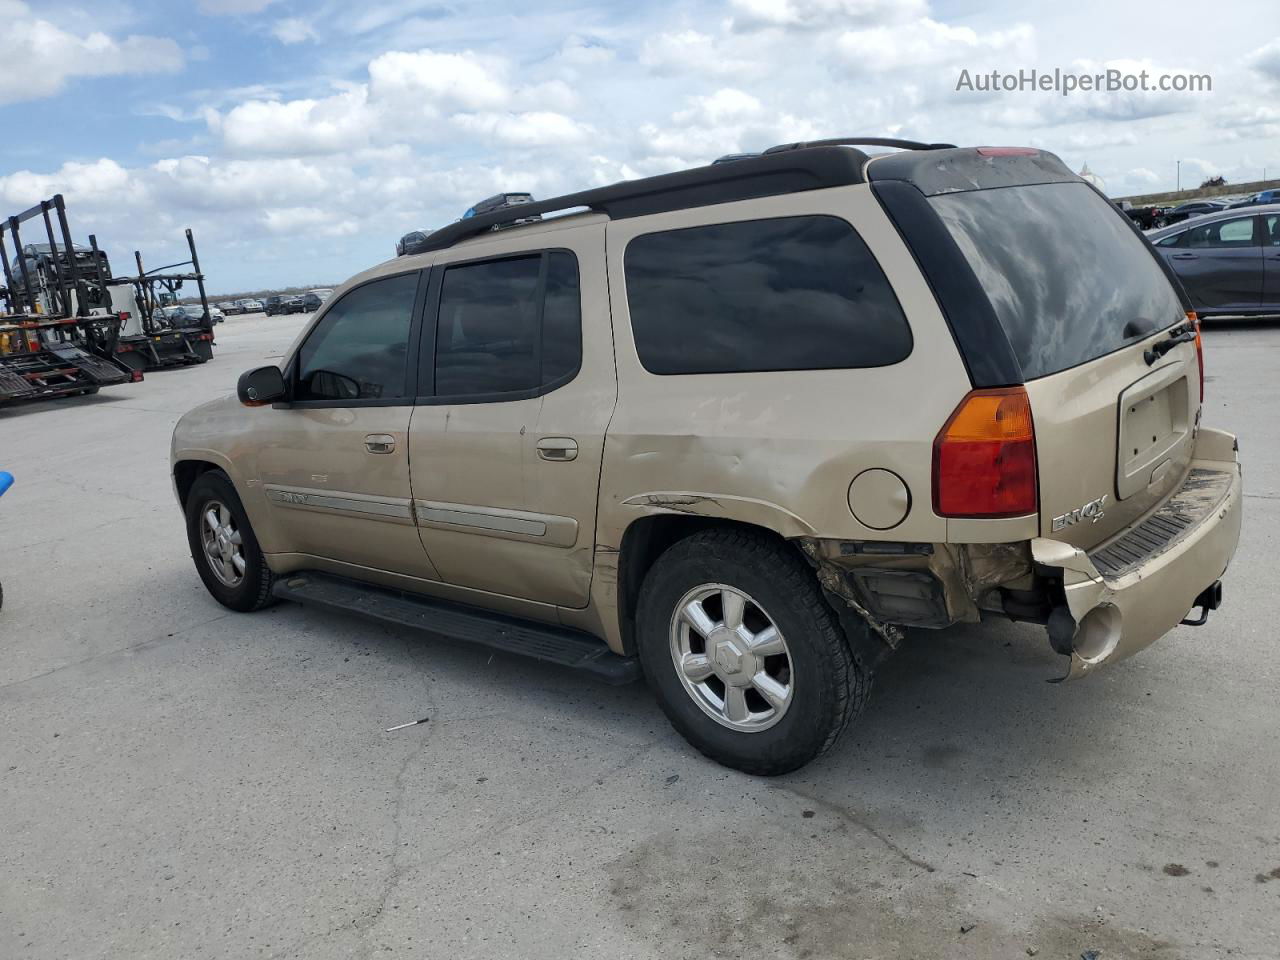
(102, 179)
(301, 179)
(38, 58)
(291, 30)
(1251, 122)
(724, 105)
(292, 127)
(534, 129)
(690, 51)
(445, 81)
(927, 44)
(584, 51)
(292, 220)
(815, 14)
(1266, 60)
(220, 7)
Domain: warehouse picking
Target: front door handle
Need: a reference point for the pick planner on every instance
(380, 443)
(558, 448)
(1184, 256)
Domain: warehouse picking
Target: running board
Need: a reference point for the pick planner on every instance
(560, 645)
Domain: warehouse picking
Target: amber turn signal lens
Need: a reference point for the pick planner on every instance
(984, 458)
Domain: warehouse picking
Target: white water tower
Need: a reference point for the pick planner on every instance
(1090, 177)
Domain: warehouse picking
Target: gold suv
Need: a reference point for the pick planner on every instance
(735, 428)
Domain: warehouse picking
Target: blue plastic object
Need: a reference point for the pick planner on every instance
(6, 481)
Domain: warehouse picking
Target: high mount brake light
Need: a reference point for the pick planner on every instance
(1195, 322)
(984, 457)
(1008, 152)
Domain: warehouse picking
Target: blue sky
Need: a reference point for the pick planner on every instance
(300, 138)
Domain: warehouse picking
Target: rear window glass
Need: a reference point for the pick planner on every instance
(794, 293)
(1068, 278)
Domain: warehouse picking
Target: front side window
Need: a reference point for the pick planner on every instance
(1224, 233)
(360, 348)
(793, 293)
(508, 326)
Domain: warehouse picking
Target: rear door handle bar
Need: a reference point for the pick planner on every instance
(558, 448)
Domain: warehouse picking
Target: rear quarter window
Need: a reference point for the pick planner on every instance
(792, 293)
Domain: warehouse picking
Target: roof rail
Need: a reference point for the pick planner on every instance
(746, 179)
(860, 142)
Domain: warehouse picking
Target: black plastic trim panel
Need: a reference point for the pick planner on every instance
(1200, 495)
(984, 346)
(965, 168)
(554, 644)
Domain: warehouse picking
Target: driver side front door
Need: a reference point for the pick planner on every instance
(336, 472)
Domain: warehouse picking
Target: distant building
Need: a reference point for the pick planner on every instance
(1089, 176)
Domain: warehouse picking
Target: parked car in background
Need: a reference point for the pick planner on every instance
(292, 304)
(312, 300)
(230, 307)
(1229, 262)
(273, 304)
(216, 315)
(1193, 208)
(250, 305)
(171, 315)
(1262, 197)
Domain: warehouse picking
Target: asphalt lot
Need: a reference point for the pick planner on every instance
(179, 781)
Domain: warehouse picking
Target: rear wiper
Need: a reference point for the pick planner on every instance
(1183, 333)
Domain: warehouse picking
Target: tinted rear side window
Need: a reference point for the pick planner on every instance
(509, 326)
(795, 293)
(1068, 278)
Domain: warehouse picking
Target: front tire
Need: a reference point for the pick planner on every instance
(223, 547)
(743, 653)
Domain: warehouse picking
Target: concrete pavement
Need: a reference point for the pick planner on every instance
(178, 781)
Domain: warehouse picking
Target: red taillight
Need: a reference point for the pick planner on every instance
(984, 458)
(1195, 322)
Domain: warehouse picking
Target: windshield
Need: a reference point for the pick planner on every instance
(1068, 278)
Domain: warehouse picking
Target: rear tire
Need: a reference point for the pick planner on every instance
(223, 547)
(767, 680)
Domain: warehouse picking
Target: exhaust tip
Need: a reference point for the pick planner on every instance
(1092, 639)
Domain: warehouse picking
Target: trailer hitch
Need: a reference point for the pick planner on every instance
(1210, 598)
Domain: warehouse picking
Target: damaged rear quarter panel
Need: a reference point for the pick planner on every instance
(779, 449)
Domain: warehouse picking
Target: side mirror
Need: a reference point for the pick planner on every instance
(262, 386)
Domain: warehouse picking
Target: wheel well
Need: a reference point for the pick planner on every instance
(185, 474)
(642, 543)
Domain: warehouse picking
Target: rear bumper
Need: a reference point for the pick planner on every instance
(1137, 587)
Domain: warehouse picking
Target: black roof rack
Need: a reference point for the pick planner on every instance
(746, 179)
(785, 168)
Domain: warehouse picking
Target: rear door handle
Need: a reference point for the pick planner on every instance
(1184, 256)
(380, 443)
(558, 448)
